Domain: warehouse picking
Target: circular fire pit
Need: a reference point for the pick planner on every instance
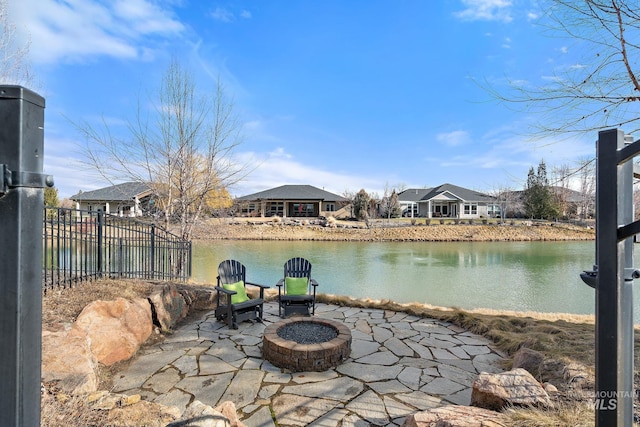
(306, 344)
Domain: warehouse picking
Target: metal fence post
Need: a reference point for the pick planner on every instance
(613, 277)
(100, 243)
(21, 221)
(153, 252)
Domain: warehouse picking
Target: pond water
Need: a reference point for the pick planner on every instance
(520, 276)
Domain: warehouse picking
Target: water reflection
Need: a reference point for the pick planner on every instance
(538, 276)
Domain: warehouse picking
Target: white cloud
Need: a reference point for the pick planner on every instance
(511, 155)
(61, 160)
(280, 168)
(486, 10)
(455, 138)
(76, 30)
(223, 15)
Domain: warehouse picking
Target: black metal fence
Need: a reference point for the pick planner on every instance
(83, 245)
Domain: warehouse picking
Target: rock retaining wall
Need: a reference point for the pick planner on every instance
(108, 332)
(270, 230)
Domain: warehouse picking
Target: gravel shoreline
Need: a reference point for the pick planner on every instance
(273, 230)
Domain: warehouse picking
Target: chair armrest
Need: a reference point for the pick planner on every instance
(313, 282)
(280, 283)
(262, 288)
(225, 291)
(258, 285)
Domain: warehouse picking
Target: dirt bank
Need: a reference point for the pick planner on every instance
(351, 231)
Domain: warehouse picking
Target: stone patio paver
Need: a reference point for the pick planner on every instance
(399, 364)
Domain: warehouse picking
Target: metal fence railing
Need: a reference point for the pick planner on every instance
(83, 245)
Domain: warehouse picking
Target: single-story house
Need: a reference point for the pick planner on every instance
(571, 203)
(126, 199)
(293, 201)
(447, 201)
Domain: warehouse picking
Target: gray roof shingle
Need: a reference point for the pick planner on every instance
(124, 191)
(424, 194)
(294, 192)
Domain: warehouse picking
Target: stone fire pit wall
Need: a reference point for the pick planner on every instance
(297, 357)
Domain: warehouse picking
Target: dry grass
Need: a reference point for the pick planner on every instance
(565, 337)
(575, 415)
(64, 305)
(59, 410)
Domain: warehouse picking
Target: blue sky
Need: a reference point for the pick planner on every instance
(341, 95)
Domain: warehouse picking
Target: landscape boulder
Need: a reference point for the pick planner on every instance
(558, 372)
(198, 297)
(456, 416)
(68, 361)
(528, 359)
(513, 388)
(168, 305)
(116, 329)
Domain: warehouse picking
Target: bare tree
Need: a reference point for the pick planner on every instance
(508, 199)
(351, 196)
(184, 153)
(586, 187)
(389, 204)
(602, 90)
(14, 64)
(373, 211)
(561, 188)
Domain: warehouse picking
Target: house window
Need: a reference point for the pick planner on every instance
(276, 209)
(471, 209)
(330, 207)
(493, 210)
(248, 208)
(440, 210)
(302, 209)
(410, 211)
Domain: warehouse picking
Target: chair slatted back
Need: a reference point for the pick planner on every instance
(297, 267)
(231, 271)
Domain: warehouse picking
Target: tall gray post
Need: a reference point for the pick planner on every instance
(21, 210)
(614, 278)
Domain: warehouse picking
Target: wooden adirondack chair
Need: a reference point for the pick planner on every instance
(297, 290)
(233, 304)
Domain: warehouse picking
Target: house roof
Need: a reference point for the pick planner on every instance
(413, 194)
(294, 192)
(569, 195)
(425, 194)
(119, 192)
